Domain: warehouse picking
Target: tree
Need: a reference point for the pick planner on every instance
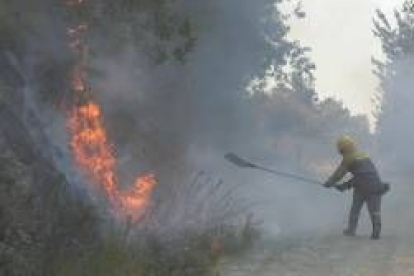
(397, 82)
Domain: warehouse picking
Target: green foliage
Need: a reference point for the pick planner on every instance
(153, 27)
(397, 41)
(110, 259)
(115, 255)
(11, 33)
(395, 91)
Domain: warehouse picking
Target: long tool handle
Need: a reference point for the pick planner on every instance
(289, 175)
(242, 163)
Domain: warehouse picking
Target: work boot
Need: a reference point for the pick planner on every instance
(376, 231)
(352, 226)
(375, 236)
(349, 232)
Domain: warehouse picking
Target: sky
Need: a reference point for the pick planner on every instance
(340, 35)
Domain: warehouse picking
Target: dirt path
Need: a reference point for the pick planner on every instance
(332, 254)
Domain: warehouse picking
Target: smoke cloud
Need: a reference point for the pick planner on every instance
(180, 116)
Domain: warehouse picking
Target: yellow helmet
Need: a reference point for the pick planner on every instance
(346, 144)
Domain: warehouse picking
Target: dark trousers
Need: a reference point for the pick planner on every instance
(374, 208)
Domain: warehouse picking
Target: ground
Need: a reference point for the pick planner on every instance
(330, 253)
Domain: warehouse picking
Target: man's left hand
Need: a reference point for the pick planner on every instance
(340, 188)
(328, 184)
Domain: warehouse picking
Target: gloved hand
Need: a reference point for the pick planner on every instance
(340, 188)
(328, 184)
(344, 186)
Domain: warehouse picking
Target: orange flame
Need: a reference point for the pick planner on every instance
(92, 150)
(136, 200)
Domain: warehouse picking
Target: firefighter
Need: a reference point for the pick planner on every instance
(367, 185)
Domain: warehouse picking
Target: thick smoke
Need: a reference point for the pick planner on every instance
(394, 132)
(188, 115)
(395, 73)
(183, 114)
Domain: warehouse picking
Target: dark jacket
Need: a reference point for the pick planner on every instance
(366, 179)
